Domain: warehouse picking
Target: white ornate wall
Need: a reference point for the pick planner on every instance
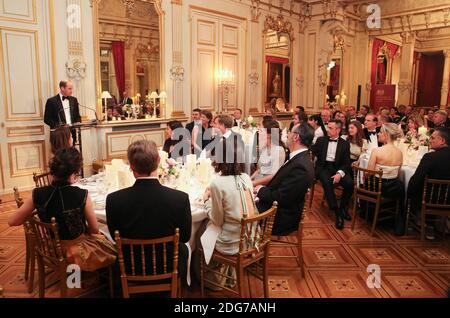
(44, 41)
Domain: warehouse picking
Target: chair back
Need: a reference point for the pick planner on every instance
(367, 184)
(144, 261)
(48, 244)
(17, 197)
(256, 232)
(436, 194)
(41, 180)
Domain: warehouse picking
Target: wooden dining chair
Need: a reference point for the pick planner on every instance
(145, 265)
(435, 201)
(296, 245)
(49, 254)
(42, 180)
(254, 247)
(369, 191)
(30, 254)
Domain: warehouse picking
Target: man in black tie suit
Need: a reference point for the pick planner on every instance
(371, 131)
(63, 108)
(289, 185)
(148, 210)
(196, 120)
(333, 167)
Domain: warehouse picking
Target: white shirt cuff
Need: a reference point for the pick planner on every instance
(342, 173)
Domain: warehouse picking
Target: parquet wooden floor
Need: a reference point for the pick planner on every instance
(335, 262)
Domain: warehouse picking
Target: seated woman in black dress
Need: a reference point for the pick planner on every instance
(74, 213)
(175, 136)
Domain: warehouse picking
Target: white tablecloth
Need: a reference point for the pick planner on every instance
(95, 186)
(406, 172)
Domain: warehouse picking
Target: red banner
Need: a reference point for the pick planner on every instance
(384, 96)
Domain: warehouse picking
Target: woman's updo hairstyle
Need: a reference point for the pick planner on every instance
(66, 162)
(393, 131)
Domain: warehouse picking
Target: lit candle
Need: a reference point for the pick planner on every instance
(423, 130)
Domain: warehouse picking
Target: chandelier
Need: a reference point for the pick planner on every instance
(279, 25)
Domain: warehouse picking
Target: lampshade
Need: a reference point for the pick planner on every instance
(106, 94)
(154, 95)
(163, 95)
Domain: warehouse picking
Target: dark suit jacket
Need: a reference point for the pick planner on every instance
(288, 187)
(148, 210)
(190, 126)
(54, 115)
(435, 165)
(367, 135)
(127, 101)
(342, 159)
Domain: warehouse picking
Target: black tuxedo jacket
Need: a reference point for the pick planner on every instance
(148, 210)
(54, 115)
(342, 159)
(367, 135)
(435, 165)
(190, 126)
(288, 187)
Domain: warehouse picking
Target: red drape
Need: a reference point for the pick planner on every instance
(118, 51)
(431, 70)
(276, 59)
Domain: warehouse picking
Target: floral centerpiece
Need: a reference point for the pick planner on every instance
(414, 141)
(168, 168)
(249, 122)
(128, 108)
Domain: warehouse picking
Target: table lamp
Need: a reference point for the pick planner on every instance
(105, 96)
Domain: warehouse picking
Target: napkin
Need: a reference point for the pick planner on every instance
(208, 240)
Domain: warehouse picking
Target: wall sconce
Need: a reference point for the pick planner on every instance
(226, 86)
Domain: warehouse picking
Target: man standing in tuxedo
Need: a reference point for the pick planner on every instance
(371, 131)
(196, 120)
(333, 167)
(238, 118)
(126, 100)
(148, 210)
(62, 109)
(289, 185)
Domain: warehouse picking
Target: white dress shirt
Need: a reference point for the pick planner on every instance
(317, 133)
(373, 142)
(239, 122)
(331, 153)
(66, 107)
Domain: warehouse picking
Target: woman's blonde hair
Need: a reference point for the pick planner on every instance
(392, 130)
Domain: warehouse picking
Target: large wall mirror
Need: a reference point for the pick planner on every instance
(128, 41)
(277, 66)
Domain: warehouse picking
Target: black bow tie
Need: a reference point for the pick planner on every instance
(335, 140)
(64, 98)
(372, 132)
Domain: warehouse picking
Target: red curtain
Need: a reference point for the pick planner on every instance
(118, 51)
(276, 59)
(431, 70)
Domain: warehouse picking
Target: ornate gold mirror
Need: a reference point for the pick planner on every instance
(278, 37)
(128, 37)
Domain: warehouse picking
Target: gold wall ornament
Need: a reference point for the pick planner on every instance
(76, 69)
(253, 78)
(339, 43)
(147, 49)
(130, 5)
(279, 25)
(177, 73)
